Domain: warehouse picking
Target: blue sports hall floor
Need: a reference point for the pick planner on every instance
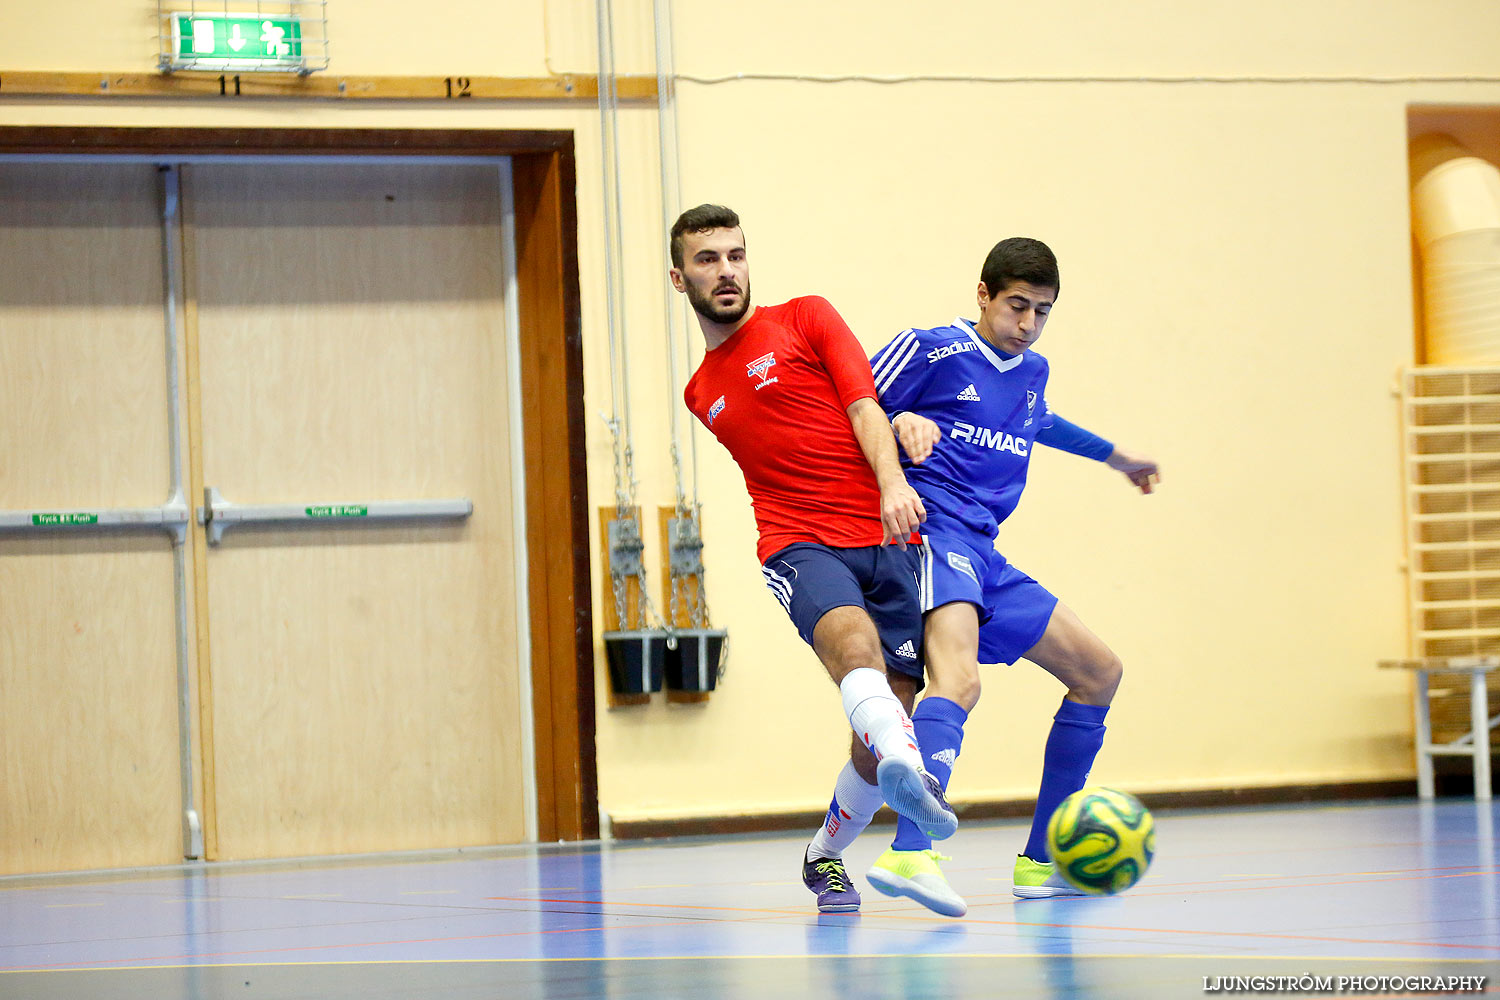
(1363, 898)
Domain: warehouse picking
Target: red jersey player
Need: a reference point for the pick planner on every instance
(788, 390)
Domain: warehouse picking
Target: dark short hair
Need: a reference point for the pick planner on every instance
(702, 219)
(1020, 259)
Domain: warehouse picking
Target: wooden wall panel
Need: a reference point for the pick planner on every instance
(89, 772)
(351, 347)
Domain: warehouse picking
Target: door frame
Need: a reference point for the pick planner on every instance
(544, 176)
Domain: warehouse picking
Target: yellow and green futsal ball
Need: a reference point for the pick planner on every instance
(1102, 840)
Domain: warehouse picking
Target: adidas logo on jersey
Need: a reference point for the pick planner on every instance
(946, 756)
(970, 393)
(906, 650)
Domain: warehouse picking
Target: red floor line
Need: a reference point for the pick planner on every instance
(782, 912)
(655, 906)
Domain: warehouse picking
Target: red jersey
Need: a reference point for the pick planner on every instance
(776, 394)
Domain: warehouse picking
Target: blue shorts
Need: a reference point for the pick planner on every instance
(811, 580)
(959, 564)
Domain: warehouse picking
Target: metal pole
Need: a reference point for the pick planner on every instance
(192, 827)
(619, 357)
(1479, 722)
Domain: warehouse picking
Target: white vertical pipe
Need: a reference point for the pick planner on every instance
(671, 207)
(1425, 783)
(1479, 724)
(522, 559)
(609, 152)
(192, 828)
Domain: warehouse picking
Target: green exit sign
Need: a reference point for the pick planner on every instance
(236, 42)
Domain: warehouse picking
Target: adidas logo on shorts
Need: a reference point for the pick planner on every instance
(906, 650)
(970, 393)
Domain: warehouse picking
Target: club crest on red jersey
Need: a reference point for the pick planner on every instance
(761, 368)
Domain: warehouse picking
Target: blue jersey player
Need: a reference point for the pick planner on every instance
(968, 404)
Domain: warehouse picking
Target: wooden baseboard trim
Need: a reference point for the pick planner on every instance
(1207, 798)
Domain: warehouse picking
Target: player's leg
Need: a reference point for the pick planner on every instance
(951, 652)
(951, 638)
(856, 794)
(822, 594)
(855, 802)
(848, 645)
(888, 580)
(823, 590)
(861, 646)
(1091, 672)
(910, 866)
(951, 562)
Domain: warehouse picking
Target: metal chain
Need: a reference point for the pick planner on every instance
(700, 594)
(622, 499)
(649, 617)
(682, 504)
(674, 586)
(630, 471)
(618, 580)
(625, 487)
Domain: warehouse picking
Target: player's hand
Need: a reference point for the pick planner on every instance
(901, 511)
(1143, 472)
(918, 435)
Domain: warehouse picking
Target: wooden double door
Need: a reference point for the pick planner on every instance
(327, 335)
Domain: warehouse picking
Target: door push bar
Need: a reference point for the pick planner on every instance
(171, 517)
(218, 514)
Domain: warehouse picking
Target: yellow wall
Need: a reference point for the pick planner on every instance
(1226, 188)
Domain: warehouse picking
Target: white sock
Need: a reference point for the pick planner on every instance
(854, 805)
(877, 716)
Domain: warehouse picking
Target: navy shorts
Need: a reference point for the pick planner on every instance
(811, 580)
(960, 564)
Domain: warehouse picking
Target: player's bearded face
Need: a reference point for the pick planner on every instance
(715, 275)
(720, 299)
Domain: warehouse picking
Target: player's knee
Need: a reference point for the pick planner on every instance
(1101, 679)
(960, 686)
(858, 653)
(846, 641)
(965, 691)
(970, 692)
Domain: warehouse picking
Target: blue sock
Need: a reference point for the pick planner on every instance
(939, 724)
(1077, 734)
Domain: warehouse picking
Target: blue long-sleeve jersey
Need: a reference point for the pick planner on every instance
(991, 409)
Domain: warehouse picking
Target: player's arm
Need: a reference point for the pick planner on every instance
(901, 509)
(900, 378)
(1066, 436)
